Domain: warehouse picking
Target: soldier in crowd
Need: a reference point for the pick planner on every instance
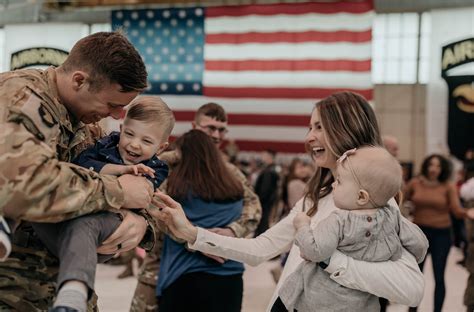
(47, 117)
(211, 119)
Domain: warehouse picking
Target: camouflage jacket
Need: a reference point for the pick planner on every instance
(39, 137)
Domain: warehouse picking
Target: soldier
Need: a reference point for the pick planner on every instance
(211, 119)
(47, 117)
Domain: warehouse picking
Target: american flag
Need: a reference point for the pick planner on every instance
(265, 64)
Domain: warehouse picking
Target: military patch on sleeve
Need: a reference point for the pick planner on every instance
(46, 116)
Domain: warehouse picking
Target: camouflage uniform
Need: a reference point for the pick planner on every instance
(38, 138)
(144, 299)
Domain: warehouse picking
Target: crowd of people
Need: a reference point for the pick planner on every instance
(72, 196)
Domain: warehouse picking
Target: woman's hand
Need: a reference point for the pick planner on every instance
(172, 214)
(127, 236)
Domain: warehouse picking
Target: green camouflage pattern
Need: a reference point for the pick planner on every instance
(38, 139)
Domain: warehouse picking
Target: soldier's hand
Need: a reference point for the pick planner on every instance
(137, 191)
(127, 236)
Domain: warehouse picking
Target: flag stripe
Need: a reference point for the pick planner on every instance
(288, 23)
(288, 107)
(274, 93)
(289, 65)
(258, 146)
(253, 119)
(255, 132)
(291, 37)
(293, 8)
(288, 79)
(288, 51)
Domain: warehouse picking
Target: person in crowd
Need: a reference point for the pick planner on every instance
(211, 119)
(143, 135)
(391, 144)
(294, 183)
(433, 197)
(338, 123)
(266, 188)
(47, 117)
(212, 197)
(364, 227)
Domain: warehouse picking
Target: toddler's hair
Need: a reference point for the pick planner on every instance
(152, 109)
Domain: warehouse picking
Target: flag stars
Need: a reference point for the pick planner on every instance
(142, 40)
(188, 77)
(166, 14)
(196, 87)
(174, 40)
(198, 30)
(190, 23)
(149, 50)
(150, 14)
(190, 39)
(179, 87)
(173, 77)
(174, 22)
(157, 40)
(164, 68)
(134, 33)
(163, 87)
(142, 23)
(198, 12)
(126, 23)
(156, 77)
(173, 58)
(197, 67)
(181, 33)
(134, 15)
(119, 15)
(182, 13)
(165, 50)
(166, 32)
(197, 50)
(180, 68)
(157, 24)
(189, 58)
(181, 51)
(157, 59)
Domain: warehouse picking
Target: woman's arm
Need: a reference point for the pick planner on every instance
(271, 243)
(398, 281)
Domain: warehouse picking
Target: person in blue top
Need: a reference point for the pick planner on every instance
(143, 135)
(211, 197)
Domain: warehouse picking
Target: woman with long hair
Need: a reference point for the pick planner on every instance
(340, 122)
(434, 197)
(211, 197)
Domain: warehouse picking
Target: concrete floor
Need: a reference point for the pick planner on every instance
(115, 295)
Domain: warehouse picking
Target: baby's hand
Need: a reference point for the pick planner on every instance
(301, 219)
(140, 169)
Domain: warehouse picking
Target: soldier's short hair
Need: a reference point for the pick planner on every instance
(212, 110)
(108, 57)
(152, 109)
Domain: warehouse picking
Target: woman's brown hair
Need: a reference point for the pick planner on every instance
(348, 122)
(202, 171)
